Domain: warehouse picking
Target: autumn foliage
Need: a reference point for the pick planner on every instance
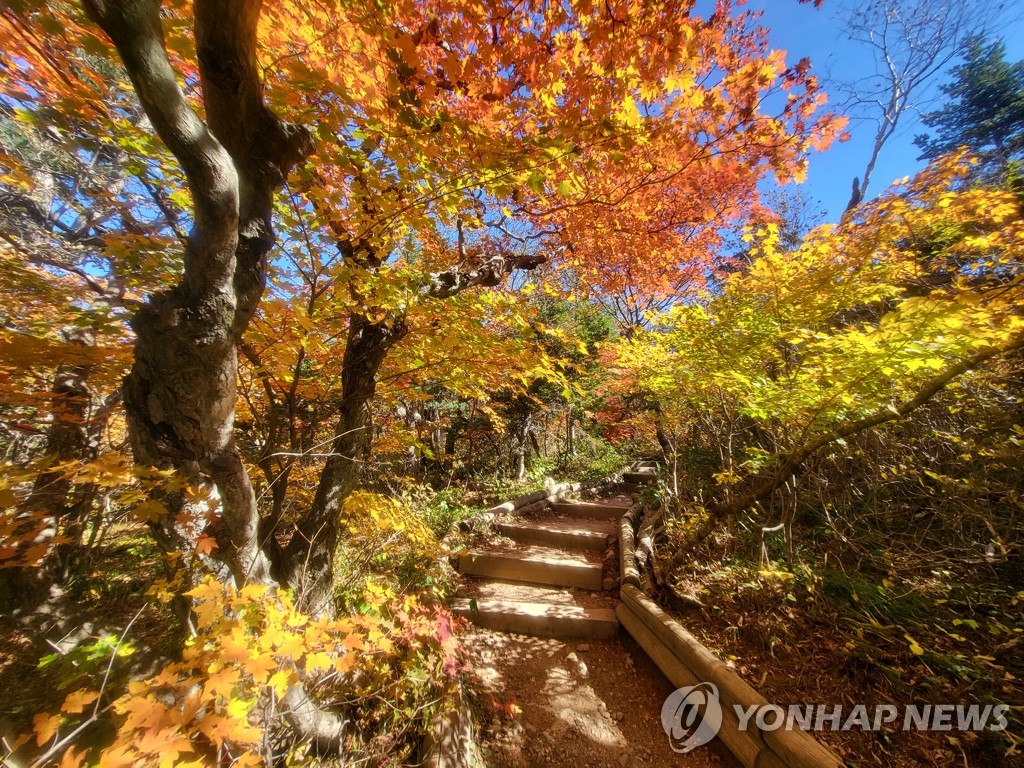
(269, 270)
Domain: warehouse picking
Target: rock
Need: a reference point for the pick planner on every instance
(623, 759)
(583, 647)
(609, 584)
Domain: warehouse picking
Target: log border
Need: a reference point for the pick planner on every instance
(685, 661)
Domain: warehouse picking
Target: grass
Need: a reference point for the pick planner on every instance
(850, 632)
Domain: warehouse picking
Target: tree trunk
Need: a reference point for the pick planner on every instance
(78, 420)
(180, 394)
(522, 444)
(309, 557)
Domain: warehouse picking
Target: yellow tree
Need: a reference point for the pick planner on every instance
(860, 326)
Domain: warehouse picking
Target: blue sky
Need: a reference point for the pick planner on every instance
(801, 30)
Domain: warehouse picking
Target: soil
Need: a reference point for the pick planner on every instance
(586, 704)
(553, 702)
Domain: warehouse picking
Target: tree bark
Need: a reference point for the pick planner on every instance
(309, 557)
(79, 417)
(180, 393)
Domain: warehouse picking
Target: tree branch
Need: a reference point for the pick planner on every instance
(791, 463)
(263, 146)
(444, 285)
(134, 27)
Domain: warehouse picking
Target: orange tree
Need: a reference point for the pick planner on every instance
(428, 150)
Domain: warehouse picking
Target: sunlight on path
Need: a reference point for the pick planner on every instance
(570, 703)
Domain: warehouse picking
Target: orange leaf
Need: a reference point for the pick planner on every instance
(205, 544)
(73, 758)
(76, 702)
(45, 726)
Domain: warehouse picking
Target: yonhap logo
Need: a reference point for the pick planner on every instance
(691, 716)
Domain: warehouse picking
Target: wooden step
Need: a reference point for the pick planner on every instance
(596, 510)
(581, 534)
(631, 487)
(641, 477)
(534, 565)
(641, 465)
(541, 619)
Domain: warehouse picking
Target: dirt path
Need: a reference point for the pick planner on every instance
(584, 704)
(552, 698)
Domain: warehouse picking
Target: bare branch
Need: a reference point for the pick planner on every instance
(910, 42)
(444, 285)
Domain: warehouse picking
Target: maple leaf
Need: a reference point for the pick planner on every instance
(74, 758)
(76, 702)
(290, 644)
(206, 544)
(280, 681)
(45, 727)
(315, 662)
(260, 666)
(353, 642)
(222, 683)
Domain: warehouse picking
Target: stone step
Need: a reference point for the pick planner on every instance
(542, 619)
(641, 478)
(646, 465)
(534, 565)
(579, 534)
(596, 510)
(631, 487)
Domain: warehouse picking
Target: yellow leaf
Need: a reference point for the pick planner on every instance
(150, 511)
(291, 644)
(318, 661)
(280, 681)
(76, 702)
(238, 709)
(915, 647)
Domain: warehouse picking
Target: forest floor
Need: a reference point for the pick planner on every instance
(846, 637)
(68, 642)
(587, 704)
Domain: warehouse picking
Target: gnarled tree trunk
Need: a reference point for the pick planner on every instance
(309, 557)
(180, 394)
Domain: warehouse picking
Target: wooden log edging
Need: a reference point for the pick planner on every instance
(686, 661)
(629, 573)
(449, 743)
